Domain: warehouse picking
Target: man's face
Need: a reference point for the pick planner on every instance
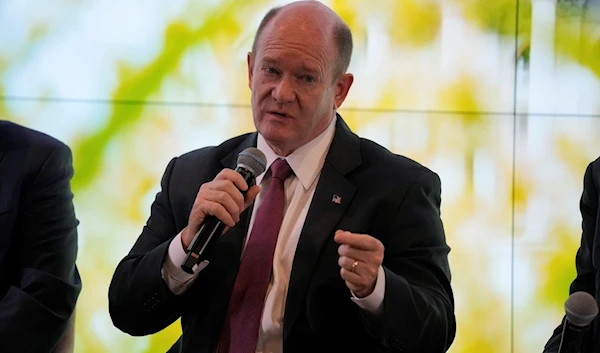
(294, 92)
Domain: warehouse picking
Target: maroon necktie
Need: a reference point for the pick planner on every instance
(242, 320)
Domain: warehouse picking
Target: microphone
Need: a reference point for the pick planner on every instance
(581, 309)
(251, 162)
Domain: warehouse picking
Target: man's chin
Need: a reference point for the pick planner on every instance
(275, 132)
(276, 139)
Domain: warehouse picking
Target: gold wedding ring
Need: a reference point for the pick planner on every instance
(353, 269)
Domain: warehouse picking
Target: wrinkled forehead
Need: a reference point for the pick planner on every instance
(312, 30)
(306, 38)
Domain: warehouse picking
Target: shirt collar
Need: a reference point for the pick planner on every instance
(306, 161)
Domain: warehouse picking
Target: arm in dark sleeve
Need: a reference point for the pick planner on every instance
(140, 302)
(585, 280)
(418, 308)
(36, 310)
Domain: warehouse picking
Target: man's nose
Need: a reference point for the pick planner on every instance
(283, 92)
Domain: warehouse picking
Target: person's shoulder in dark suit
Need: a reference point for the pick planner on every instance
(15, 136)
(594, 173)
(380, 159)
(39, 281)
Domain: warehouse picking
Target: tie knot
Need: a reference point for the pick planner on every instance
(280, 169)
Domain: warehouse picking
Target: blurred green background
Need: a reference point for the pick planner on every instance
(499, 97)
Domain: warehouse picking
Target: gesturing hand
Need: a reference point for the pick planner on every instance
(360, 258)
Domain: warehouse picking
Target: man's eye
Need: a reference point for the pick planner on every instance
(270, 70)
(309, 78)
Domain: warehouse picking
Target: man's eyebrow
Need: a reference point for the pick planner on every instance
(269, 59)
(311, 70)
(306, 68)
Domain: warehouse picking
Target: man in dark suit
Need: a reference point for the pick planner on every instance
(343, 249)
(39, 282)
(587, 259)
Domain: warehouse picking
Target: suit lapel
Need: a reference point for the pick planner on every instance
(323, 215)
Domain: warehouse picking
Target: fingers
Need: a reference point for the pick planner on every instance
(230, 218)
(374, 257)
(361, 255)
(361, 280)
(235, 182)
(353, 287)
(359, 241)
(361, 269)
(222, 198)
(354, 281)
(357, 254)
(200, 210)
(219, 196)
(236, 178)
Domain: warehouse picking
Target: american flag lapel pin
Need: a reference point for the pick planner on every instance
(336, 199)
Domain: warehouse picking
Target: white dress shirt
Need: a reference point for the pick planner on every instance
(306, 163)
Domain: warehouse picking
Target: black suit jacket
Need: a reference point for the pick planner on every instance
(587, 259)
(384, 195)
(39, 282)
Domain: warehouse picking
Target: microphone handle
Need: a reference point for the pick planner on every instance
(205, 239)
(572, 338)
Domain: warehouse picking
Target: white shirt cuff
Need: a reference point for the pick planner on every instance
(177, 279)
(373, 303)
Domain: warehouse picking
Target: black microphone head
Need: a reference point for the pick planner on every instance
(581, 308)
(253, 159)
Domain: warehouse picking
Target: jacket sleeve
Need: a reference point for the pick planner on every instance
(585, 280)
(418, 308)
(36, 310)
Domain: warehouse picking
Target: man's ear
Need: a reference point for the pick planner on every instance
(342, 87)
(250, 60)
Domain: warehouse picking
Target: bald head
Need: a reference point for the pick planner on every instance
(315, 17)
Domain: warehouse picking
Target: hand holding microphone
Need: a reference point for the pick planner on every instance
(218, 205)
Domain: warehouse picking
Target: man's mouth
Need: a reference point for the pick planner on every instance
(277, 113)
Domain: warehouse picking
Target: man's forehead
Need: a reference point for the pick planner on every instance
(297, 27)
(296, 33)
(304, 16)
(302, 34)
(313, 9)
(306, 27)
(275, 44)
